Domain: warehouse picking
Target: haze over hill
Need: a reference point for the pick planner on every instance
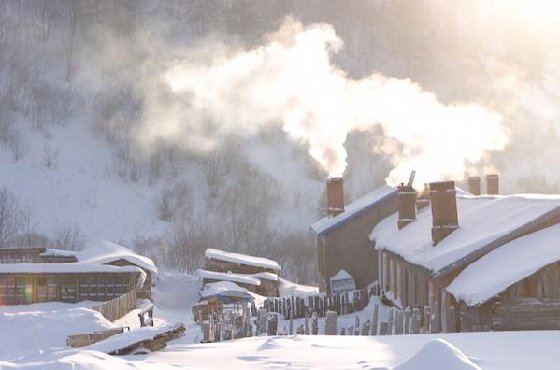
(79, 80)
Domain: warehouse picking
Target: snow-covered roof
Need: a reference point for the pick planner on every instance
(108, 252)
(242, 259)
(342, 275)
(265, 276)
(64, 268)
(222, 288)
(354, 209)
(238, 278)
(51, 252)
(485, 222)
(507, 265)
(291, 289)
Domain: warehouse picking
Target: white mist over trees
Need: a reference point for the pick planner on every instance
(65, 63)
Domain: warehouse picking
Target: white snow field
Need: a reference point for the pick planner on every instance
(33, 337)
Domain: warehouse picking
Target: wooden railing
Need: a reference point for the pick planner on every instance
(117, 307)
(342, 303)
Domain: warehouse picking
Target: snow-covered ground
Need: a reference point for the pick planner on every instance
(33, 337)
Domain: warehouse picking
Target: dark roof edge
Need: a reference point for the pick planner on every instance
(358, 213)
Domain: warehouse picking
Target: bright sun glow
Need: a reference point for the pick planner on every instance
(536, 10)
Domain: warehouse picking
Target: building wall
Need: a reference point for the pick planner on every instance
(531, 304)
(145, 292)
(348, 247)
(16, 289)
(21, 255)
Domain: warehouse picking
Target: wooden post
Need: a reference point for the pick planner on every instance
(391, 321)
(383, 328)
(374, 320)
(415, 321)
(399, 322)
(357, 326)
(452, 320)
(366, 327)
(435, 319)
(331, 323)
(407, 320)
(427, 320)
(307, 322)
(292, 321)
(314, 323)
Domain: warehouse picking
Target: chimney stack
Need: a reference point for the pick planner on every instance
(492, 184)
(335, 196)
(444, 209)
(474, 185)
(407, 205)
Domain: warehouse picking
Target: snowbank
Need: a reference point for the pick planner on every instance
(438, 354)
(46, 325)
(242, 259)
(505, 266)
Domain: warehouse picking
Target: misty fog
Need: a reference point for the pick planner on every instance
(172, 85)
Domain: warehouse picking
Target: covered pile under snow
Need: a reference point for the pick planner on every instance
(108, 252)
(228, 276)
(43, 325)
(242, 259)
(354, 209)
(230, 289)
(438, 354)
(288, 288)
(507, 265)
(482, 220)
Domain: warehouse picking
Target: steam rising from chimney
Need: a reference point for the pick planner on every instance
(290, 82)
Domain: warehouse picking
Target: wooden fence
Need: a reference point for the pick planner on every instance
(342, 303)
(117, 307)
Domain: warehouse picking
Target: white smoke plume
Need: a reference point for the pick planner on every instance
(290, 81)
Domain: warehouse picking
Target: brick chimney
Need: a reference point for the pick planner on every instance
(474, 185)
(424, 198)
(335, 196)
(492, 184)
(444, 209)
(406, 196)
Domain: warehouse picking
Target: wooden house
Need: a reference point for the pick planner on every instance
(421, 257)
(27, 283)
(515, 287)
(256, 274)
(342, 236)
(102, 271)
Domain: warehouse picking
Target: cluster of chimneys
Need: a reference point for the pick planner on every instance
(440, 195)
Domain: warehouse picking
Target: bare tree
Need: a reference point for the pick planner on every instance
(10, 218)
(67, 237)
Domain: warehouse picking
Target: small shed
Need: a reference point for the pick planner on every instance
(342, 282)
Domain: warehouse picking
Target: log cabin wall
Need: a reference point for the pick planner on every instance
(531, 304)
(225, 266)
(347, 247)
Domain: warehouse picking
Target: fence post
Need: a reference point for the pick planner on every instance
(330, 323)
(407, 320)
(415, 321)
(383, 328)
(374, 320)
(427, 319)
(365, 328)
(399, 322)
(391, 321)
(452, 320)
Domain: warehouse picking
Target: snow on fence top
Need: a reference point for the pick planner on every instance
(483, 220)
(242, 259)
(107, 252)
(354, 209)
(222, 276)
(505, 266)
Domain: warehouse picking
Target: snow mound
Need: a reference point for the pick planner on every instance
(46, 325)
(438, 354)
